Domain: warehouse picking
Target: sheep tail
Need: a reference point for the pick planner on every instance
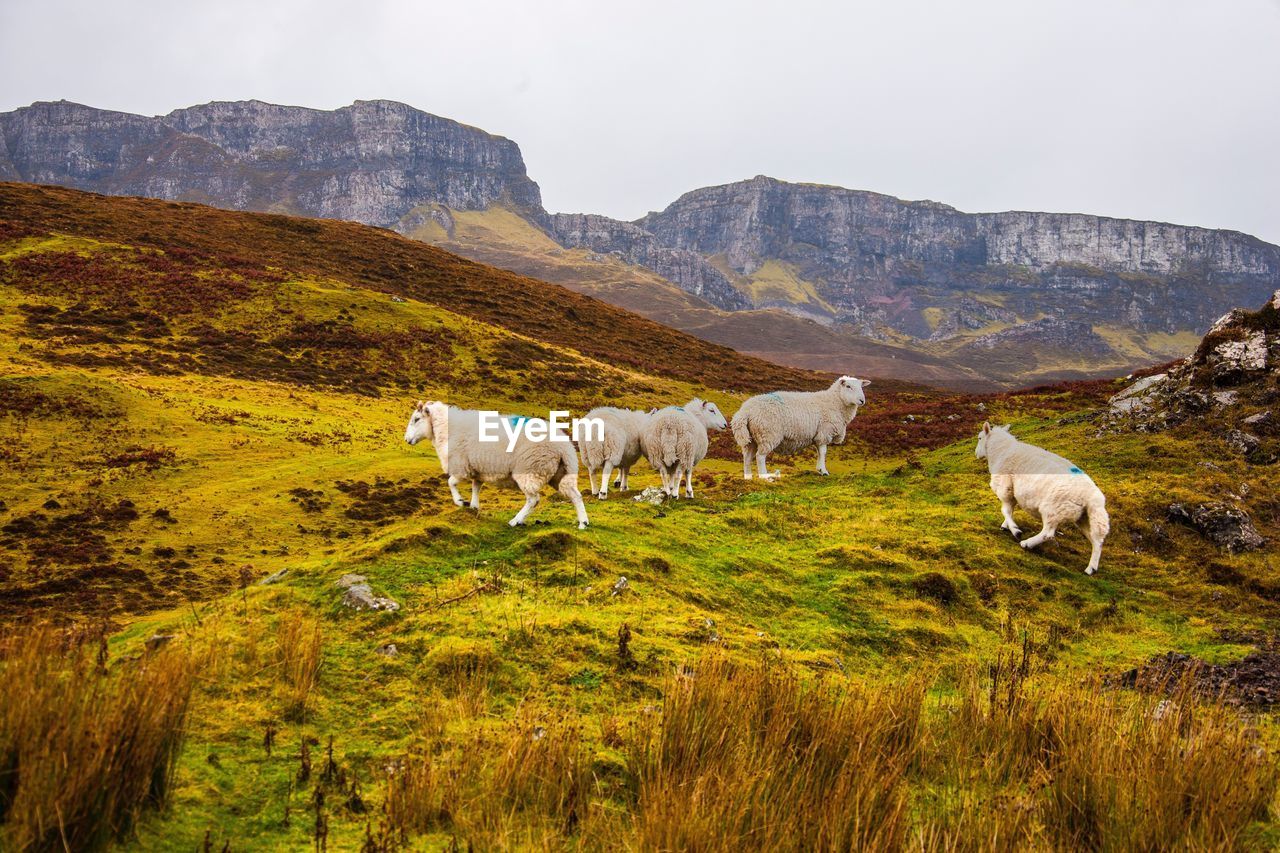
(1099, 520)
(668, 440)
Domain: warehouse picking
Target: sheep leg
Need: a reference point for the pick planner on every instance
(569, 489)
(530, 501)
(591, 479)
(622, 479)
(748, 459)
(1006, 507)
(765, 474)
(689, 481)
(604, 480)
(1046, 533)
(453, 489)
(822, 460)
(475, 494)
(673, 484)
(1096, 556)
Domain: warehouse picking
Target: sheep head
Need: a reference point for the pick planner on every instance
(419, 424)
(849, 390)
(707, 412)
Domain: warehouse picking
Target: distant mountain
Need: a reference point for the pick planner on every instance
(809, 275)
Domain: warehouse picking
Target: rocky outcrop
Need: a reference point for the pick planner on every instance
(881, 260)
(370, 162)
(634, 245)
(1234, 376)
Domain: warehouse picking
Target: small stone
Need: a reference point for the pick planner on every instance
(1242, 442)
(155, 641)
(274, 577)
(651, 495)
(349, 580)
(388, 651)
(620, 586)
(359, 596)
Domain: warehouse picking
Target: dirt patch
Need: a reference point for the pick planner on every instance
(1253, 680)
(383, 501)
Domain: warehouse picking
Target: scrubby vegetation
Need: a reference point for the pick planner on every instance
(863, 659)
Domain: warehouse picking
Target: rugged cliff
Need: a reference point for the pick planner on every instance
(637, 246)
(880, 262)
(371, 162)
(1008, 297)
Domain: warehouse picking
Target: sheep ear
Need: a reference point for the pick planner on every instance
(865, 382)
(986, 427)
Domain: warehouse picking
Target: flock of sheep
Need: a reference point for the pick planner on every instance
(674, 440)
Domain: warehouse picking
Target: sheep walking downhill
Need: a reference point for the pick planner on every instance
(530, 465)
(788, 421)
(1045, 484)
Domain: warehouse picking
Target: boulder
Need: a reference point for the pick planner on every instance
(1224, 525)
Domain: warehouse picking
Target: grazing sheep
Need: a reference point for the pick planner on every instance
(1045, 484)
(619, 449)
(675, 441)
(788, 421)
(455, 433)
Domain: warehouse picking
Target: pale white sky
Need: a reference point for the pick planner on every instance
(1153, 109)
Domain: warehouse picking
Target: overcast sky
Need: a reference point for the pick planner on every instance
(1152, 109)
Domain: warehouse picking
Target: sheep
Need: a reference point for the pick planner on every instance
(788, 421)
(619, 449)
(675, 441)
(455, 433)
(1045, 484)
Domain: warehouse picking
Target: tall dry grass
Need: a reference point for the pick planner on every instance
(759, 758)
(753, 757)
(84, 750)
(1085, 768)
(299, 650)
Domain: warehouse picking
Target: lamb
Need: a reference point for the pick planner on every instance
(1045, 484)
(618, 450)
(675, 441)
(455, 433)
(788, 421)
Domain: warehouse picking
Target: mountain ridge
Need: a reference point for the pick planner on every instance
(841, 269)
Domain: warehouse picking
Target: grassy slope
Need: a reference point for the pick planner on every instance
(829, 573)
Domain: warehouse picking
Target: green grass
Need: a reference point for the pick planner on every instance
(893, 568)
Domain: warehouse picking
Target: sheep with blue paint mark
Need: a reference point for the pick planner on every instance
(528, 464)
(675, 441)
(1045, 484)
(789, 421)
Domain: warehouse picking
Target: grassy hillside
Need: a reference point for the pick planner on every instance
(182, 420)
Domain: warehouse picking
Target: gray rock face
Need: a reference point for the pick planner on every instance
(634, 245)
(370, 162)
(878, 259)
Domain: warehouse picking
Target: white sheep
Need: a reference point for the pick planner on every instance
(529, 465)
(788, 421)
(1045, 484)
(618, 449)
(675, 441)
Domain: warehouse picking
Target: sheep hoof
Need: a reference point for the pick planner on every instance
(1027, 544)
(1090, 570)
(582, 525)
(459, 502)
(825, 473)
(514, 523)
